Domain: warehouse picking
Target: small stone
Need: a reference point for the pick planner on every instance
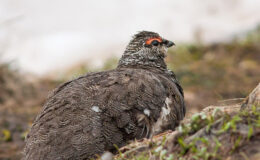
(107, 156)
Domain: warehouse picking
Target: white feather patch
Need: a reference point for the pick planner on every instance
(147, 112)
(167, 109)
(96, 109)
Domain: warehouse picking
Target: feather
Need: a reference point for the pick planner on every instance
(93, 113)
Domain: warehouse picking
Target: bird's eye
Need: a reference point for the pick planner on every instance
(155, 43)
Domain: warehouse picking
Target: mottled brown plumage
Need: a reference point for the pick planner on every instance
(91, 114)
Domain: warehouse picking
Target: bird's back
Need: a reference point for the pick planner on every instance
(91, 114)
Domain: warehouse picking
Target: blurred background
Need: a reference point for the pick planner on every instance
(46, 42)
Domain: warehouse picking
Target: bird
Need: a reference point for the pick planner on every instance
(100, 111)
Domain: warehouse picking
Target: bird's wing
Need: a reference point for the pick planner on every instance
(90, 114)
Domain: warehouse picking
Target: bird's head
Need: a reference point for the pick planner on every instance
(146, 42)
(146, 48)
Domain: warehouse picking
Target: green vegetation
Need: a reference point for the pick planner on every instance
(6, 135)
(224, 138)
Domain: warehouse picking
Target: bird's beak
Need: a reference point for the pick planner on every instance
(168, 43)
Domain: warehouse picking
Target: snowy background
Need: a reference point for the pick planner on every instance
(41, 36)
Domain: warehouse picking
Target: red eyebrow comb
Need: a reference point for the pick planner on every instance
(149, 41)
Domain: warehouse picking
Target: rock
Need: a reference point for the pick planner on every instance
(107, 156)
(253, 99)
